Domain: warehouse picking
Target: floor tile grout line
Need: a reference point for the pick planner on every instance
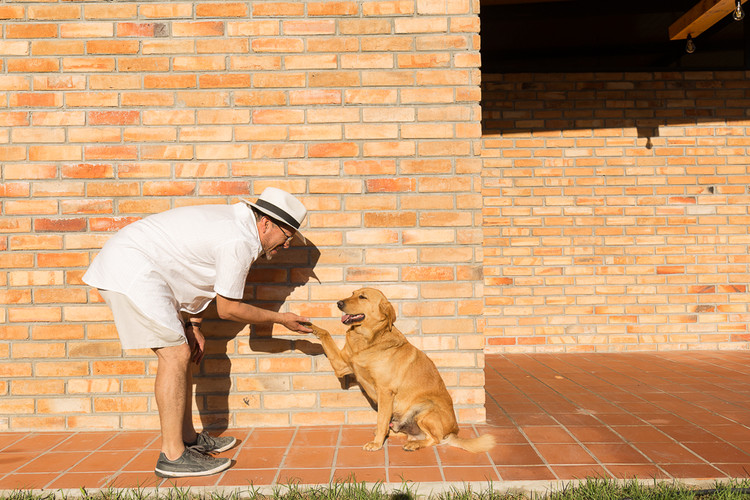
(487, 453)
(336, 447)
(286, 453)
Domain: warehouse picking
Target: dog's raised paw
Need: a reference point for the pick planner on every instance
(317, 331)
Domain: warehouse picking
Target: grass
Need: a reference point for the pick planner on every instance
(590, 489)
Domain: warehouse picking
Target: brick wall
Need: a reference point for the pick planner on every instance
(616, 211)
(110, 111)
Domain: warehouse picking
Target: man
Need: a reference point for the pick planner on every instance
(158, 275)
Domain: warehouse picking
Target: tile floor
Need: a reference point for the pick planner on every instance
(683, 415)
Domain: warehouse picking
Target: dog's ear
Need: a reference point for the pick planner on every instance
(388, 312)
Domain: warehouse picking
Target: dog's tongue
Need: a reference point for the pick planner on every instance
(351, 318)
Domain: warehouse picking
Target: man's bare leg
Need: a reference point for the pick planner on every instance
(188, 429)
(171, 389)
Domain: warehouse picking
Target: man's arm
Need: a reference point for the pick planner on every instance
(236, 310)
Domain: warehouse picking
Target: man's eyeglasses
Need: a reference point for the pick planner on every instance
(288, 236)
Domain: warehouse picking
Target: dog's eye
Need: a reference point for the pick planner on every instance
(362, 297)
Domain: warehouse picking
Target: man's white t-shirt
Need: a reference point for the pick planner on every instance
(179, 260)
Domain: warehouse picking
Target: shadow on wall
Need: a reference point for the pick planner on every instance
(269, 285)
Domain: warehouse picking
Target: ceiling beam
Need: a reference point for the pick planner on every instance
(702, 16)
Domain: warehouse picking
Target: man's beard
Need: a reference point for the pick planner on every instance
(267, 255)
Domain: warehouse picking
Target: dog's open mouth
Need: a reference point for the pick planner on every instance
(348, 319)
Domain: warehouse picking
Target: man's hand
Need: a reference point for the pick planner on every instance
(196, 342)
(296, 323)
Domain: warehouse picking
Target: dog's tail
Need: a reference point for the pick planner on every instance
(485, 442)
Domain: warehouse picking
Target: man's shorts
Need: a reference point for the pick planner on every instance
(136, 330)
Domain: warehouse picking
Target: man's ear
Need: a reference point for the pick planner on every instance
(388, 312)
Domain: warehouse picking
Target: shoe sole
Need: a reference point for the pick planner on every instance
(215, 470)
(225, 448)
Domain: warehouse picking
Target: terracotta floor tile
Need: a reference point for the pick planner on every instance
(135, 479)
(504, 435)
(304, 476)
(564, 454)
(668, 453)
(548, 434)
(594, 434)
(51, 462)
(414, 474)
(132, 440)
(8, 438)
(266, 438)
(143, 461)
(27, 481)
(248, 477)
(457, 457)
(526, 473)
(11, 461)
(579, 471)
(688, 433)
(515, 454)
(358, 475)
(692, 471)
(84, 441)
(636, 471)
(259, 458)
(642, 434)
(735, 470)
(316, 437)
(617, 454)
(525, 419)
(75, 480)
(576, 419)
(355, 456)
(103, 461)
(397, 456)
(730, 432)
(462, 474)
(185, 482)
(356, 436)
(320, 456)
(613, 419)
(37, 442)
(719, 452)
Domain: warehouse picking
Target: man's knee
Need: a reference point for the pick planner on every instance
(177, 354)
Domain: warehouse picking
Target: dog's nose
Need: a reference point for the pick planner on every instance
(340, 303)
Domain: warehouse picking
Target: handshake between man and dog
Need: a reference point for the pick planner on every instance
(404, 383)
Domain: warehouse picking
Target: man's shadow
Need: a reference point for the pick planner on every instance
(269, 284)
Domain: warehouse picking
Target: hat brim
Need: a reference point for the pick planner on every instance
(276, 218)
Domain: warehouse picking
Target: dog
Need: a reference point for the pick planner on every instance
(410, 395)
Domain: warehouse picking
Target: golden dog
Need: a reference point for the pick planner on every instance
(410, 394)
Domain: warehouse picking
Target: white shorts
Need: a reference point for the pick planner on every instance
(136, 330)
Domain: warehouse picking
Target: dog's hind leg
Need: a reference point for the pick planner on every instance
(432, 430)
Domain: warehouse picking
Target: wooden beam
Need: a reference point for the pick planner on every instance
(702, 16)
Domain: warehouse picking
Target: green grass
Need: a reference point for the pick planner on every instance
(590, 489)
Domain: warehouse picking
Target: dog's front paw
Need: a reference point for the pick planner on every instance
(318, 331)
(412, 445)
(372, 446)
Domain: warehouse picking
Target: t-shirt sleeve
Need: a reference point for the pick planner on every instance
(233, 261)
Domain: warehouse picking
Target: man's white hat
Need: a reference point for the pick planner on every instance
(280, 206)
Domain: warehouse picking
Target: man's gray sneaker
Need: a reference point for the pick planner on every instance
(208, 444)
(190, 463)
